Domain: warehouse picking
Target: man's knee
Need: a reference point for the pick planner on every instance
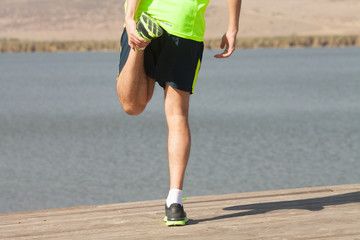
(133, 109)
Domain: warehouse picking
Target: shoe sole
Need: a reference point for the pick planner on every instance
(175, 223)
(148, 28)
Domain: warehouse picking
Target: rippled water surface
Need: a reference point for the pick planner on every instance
(261, 120)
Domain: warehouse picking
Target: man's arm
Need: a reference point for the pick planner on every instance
(229, 39)
(135, 41)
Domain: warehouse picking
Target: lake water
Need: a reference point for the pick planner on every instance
(261, 120)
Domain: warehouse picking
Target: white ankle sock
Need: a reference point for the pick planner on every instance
(175, 196)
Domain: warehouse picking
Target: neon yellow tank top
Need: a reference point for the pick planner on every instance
(182, 18)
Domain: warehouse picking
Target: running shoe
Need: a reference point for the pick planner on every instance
(147, 27)
(175, 215)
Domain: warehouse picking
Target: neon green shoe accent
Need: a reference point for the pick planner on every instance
(183, 197)
(147, 27)
(175, 223)
(143, 36)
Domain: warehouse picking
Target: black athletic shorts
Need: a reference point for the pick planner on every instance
(169, 59)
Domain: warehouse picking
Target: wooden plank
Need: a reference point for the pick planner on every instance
(309, 213)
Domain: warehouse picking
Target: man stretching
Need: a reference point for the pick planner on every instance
(163, 42)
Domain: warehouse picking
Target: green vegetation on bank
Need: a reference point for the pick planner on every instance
(15, 45)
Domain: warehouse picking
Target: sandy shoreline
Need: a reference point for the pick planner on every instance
(102, 20)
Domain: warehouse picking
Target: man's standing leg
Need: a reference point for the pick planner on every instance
(176, 111)
(179, 140)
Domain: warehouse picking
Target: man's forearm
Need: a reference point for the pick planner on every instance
(234, 15)
(131, 7)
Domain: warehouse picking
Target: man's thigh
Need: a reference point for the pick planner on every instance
(176, 102)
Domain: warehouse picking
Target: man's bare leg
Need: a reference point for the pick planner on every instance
(134, 88)
(179, 139)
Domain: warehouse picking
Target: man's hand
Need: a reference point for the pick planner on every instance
(135, 41)
(229, 39)
(228, 42)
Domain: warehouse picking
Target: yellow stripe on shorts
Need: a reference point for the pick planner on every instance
(196, 75)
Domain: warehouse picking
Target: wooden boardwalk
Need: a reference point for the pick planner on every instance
(310, 213)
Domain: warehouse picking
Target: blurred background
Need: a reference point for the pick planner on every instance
(282, 112)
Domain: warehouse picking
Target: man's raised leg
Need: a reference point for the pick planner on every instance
(134, 88)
